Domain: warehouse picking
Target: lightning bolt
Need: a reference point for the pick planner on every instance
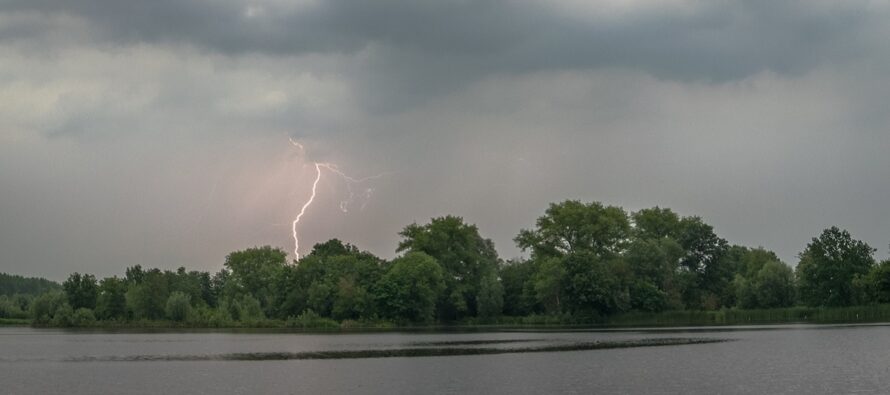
(343, 204)
(297, 144)
(303, 210)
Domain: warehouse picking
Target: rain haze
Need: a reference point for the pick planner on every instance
(157, 133)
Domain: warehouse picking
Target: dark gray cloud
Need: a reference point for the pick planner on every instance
(417, 49)
(155, 133)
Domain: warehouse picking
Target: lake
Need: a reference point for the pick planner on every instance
(792, 359)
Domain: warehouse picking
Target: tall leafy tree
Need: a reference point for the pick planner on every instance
(44, 306)
(465, 256)
(575, 245)
(178, 306)
(254, 271)
(828, 266)
(81, 290)
(410, 288)
(878, 283)
(656, 223)
(490, 298)
(148, 298)
(594, 285)
(517, 280)
(774, 285)
(549, 284)
(704, 261)
(112, 300)
(653, 264)
(333, 280)
(574, 227)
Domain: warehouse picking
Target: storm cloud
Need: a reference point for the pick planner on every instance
(155, 133)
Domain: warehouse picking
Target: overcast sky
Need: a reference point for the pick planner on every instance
(156, 132)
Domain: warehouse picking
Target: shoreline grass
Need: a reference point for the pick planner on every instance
(14, 322)
(790, 315)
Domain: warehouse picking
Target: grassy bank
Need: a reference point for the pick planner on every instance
(14, 321)
(312, 322)
(812, 315)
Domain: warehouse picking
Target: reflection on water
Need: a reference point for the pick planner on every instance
(404, 352)
(471, 342)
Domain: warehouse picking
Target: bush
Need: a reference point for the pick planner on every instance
(210, 317)
(44, 307)
(311, 320)
(368, 323)
(63, 316)
(10, 309)
(83, 317)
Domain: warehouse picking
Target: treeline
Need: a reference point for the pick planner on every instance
(17, 292)
(587, 262)
(11, 284)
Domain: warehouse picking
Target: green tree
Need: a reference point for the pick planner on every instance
(879, 282)
(244, 308)
(83, 317)
(197, 285)
(409, 289)
(148, 298)
(644, 296)
(333, 280)
(321, 298)
(81, 290)
(774, 285)
(112, 300)
(465, 256)
(352, 300)
(548, 284)
(64, 316)
(704, 258)
(517, 278)
(44, 306)
(253, 272)
(134, 275)
(654, 260)
(656, 223)
(653, 263)
(11, 284)
(574, 227)
(490, 300)
(10, 309)
(751, 260)
(828, 266)
(179, 306)
(745, 294)
(593, 286)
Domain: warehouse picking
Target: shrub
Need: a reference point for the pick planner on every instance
(43, 308)
(83, 317)
(10, 309)
(311, 320)
(63, 316)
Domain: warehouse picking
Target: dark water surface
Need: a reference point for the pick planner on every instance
(796, 359)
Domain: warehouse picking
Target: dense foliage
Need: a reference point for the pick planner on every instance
(587, 262)
(12, 284)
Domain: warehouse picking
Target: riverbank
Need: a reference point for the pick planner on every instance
(14, 322)
(791, 315)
